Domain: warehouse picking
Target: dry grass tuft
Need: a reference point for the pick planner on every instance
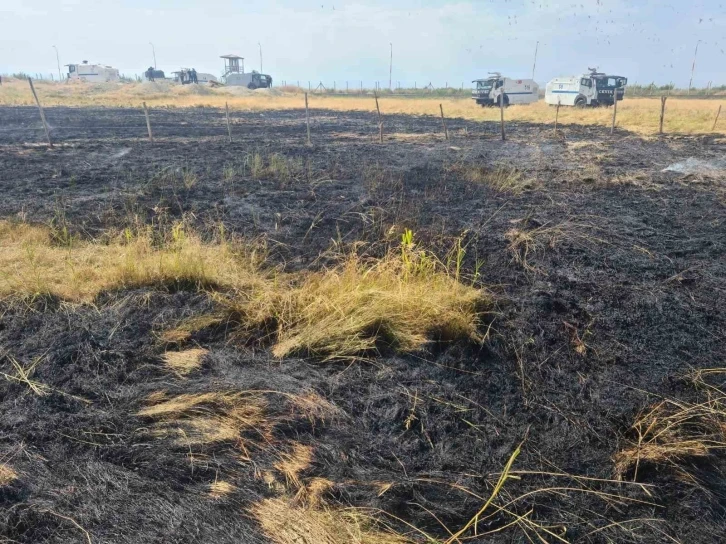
(526, 241)
(292, 464)
(32, 265)
(206, 418)
(279, 167)
(503, 179)
(673, 432)
(7, 475)
(184, 362)
(186, 328)
(23, 374)
(402, 301)
(359, 306)
(311, 494)
(242, 418)
(220, 489)
(313, 407)
(285, 523)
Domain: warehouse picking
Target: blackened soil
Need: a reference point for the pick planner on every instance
(624, 295)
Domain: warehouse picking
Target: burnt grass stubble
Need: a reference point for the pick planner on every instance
(639, 278)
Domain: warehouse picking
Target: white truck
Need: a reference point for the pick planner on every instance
(92, 73)
(593, 89)
(489, 92)
(251, 80)
(182, 76)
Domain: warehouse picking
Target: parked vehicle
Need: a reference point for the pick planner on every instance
(153, 74)
(490, 91)
(92, 73)
(251, 80)
(593, 89)
(182, 76)
(234, 74)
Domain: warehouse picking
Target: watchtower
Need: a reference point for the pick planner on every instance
(233, 64)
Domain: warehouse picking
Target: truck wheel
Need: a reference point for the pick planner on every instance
(499, 101)
(580, 102)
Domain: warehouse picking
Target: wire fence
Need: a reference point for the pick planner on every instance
(23, 125)
(61, 123)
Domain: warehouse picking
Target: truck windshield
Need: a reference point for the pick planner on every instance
(488, 84)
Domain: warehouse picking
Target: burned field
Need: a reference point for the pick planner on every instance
(416, 341)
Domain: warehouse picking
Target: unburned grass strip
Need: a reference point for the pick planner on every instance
(402, 301)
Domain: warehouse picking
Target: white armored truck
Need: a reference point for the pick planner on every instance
(234, 74)
(92, 73)
(593, 89)
(489, 92)
(251, 80)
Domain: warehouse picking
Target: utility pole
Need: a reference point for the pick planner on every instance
(258, 43)
(153, 52)
(390, 71)
(536, 48)
(57, 59)
(693, 68)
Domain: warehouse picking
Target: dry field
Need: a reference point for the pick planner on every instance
(419, 341)
(639, 115)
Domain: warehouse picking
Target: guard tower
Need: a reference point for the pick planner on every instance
(233, 64)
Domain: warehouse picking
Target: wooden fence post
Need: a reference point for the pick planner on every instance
(718, 114)
(557, 114)
(42, 113)
(501, 113)
(663, 100)
(380, 121)
(615, 110)
(443, 121)
(148, 122)
(307, 118)
(229, 129)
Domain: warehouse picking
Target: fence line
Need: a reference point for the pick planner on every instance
(218, 121)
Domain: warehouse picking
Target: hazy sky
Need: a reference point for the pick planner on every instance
(433, 40)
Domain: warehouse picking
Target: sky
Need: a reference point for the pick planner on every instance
(433, 41)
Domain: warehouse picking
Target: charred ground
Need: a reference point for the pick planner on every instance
(607, 272)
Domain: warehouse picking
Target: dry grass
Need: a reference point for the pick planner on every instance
(7, 475)
(184, 330)
(503, 179)
(526, 241)
(311, 494)
(637, 114)
(361, 306)
(220, 489)
(283, 522)
(673, 432)
(279, 167)
(31, 264)
(184, 362)
(402, 301)
(296, 521)
(292, 464)
(23, 374)
(246, 419)
(207, 418)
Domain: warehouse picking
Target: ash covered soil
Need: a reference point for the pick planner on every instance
(623, 296)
